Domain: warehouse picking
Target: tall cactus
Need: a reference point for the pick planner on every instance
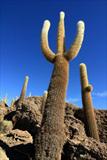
(87, 103)
(51, 136)
(24, 88)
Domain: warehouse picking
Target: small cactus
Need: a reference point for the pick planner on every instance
(23, 92)
(87, 103)
(5, 126)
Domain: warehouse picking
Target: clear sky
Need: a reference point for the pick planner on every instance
(20, 52)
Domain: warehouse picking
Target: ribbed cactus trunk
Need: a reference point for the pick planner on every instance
(52, 128)
(88, 109)
(50, 137)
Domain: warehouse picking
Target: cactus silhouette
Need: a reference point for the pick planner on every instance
(87, 103)
(24, 88)
(51, 136)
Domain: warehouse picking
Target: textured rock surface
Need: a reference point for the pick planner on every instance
(28, 114)
(16, 137)
(18, 144)
(78, 145)
(87, 149)
(3, 155)
(101, 116)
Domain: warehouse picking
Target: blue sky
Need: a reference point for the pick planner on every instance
(20, 52)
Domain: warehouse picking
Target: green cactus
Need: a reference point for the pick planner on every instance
(51, 137)
(5, 126)
(87, 103)
(23, 92)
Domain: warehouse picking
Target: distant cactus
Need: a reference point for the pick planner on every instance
(51, 137)
(12, 103)
(30, 94)
(23, 92)
(87, 103)
(5, 100)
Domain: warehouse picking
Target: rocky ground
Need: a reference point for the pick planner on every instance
(18, 126)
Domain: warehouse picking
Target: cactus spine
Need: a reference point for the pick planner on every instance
(5, 100)
(24, 88)
(12, 102)
(51, 136)
(87, 103)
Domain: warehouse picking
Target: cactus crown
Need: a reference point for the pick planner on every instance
(75, 47)
(84, 79)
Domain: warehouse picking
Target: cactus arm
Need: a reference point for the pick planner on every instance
(61, 34)
(50, 56)
(75, 47)
(83, 76)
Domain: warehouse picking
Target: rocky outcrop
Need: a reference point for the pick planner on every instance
(17, 144)
(87, 149)
(3, 155)
(78, 145)
(101, 116)
(27, 114)
(26, 118)
(16, 137)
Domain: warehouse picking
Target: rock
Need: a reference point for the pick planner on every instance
(28, 114)
(101, 117)
(17, 144)
(78, 146)
(87, 149)
(3, 155)
(16, 137)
